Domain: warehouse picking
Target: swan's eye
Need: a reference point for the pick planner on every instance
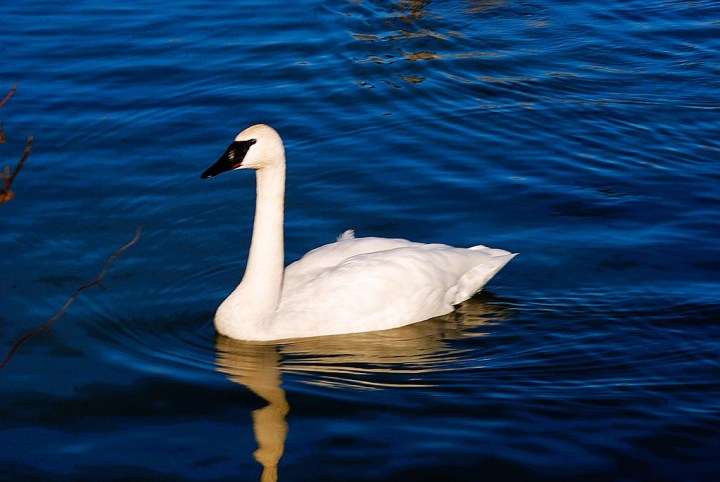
(252, 141)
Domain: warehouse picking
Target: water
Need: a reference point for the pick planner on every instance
(583, 135)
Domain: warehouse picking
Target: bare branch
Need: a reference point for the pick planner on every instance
(70, 300)
(8, 95)
(5, 193)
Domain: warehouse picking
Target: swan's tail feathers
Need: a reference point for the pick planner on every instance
(493, 252)
(349, 234)
(474, 280)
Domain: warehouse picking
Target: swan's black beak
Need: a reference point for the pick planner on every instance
(231, 159)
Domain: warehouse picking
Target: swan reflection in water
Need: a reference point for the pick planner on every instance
(360, 360)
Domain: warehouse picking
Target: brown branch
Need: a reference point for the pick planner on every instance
(70, 300)
(5, 193)
(9, 94)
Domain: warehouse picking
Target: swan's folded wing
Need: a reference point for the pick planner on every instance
(383, 289)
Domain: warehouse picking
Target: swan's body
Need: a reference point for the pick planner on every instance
(350, 286)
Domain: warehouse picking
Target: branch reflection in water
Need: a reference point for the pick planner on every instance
(398, 358)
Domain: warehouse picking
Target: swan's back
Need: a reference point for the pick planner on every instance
(346, 247)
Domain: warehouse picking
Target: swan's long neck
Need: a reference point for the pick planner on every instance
(264, 272)
(251, 307)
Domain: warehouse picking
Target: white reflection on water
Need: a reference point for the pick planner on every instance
(376, 360)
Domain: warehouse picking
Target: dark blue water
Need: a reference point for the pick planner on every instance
(583, 135)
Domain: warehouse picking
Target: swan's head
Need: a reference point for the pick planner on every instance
(256, 147)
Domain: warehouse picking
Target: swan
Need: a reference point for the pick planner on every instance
(350, 286)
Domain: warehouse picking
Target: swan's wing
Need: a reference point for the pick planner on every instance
(384, 289)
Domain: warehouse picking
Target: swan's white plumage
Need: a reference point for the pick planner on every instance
(351, 285)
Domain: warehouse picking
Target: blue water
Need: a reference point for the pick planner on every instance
(583, 135)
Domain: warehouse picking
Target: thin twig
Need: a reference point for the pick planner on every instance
(70, 300)
(9, 94)
(5, 193)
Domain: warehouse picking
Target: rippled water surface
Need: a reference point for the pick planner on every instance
(583, 135)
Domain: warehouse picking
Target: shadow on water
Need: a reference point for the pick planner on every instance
(397, 358)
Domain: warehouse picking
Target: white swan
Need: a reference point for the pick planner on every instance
(352, 285)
